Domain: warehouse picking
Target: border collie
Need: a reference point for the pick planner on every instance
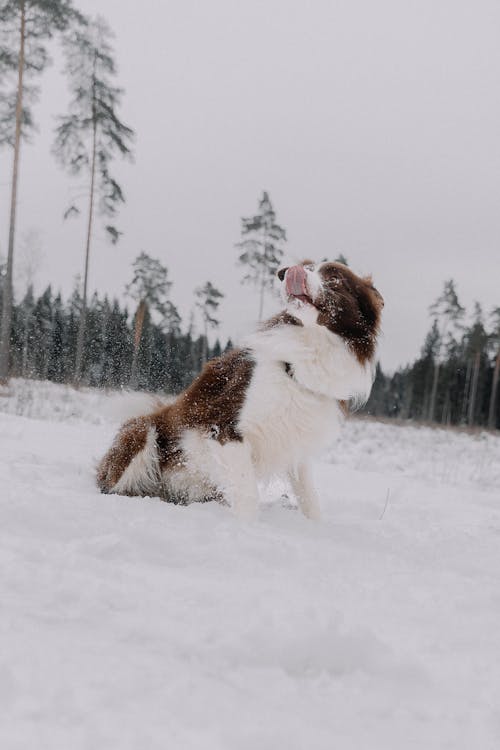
(262, 409)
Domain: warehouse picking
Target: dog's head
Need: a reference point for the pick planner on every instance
(329, 294)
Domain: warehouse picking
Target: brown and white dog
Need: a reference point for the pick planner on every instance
(262, 409)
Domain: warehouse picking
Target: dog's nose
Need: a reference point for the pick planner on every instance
(281, 273)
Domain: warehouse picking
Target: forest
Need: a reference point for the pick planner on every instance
(454, 381)
(89, 339)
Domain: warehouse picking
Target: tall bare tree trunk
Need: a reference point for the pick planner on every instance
(8, 294)
(466, 392)
(139, 325)
(494, 391)
(83, 312)
(473, 392)
(432, 405)
(446, 414)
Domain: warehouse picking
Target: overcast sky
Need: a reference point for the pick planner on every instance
(375, 126)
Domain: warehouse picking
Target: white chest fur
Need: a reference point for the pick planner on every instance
(283, 422)
(287, 419)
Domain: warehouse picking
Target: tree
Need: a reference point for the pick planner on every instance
(117, 348)
(494, 340)
(447, 312)
(43, 320)
(26, 26)
(208, 300)
(150, 288)
(26, 320)
(341, 259)
(54, 369)
(476, 341)
(91, 135)
(262, 245)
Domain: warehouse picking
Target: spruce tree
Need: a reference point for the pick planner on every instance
(447, 313)
(44, 319)
(216, 349)
(262, 241)
(92, 353)
(208, 299)
(150, 289)
(55, 360)
(341, 258)
(90, 136)
(27, 333)
(494, 342)
(26, 27)
(73, 307)
(476, 338)
(117, 348)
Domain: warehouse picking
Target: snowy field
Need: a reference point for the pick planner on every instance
(137, 625)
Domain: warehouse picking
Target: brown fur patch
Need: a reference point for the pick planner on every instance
(283, 318)
(130, 440)
(212, 404)
(351, 307)
(213, 401)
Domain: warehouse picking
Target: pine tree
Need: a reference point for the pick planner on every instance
(43, 331)
(74, 307)
(27, 26)
(447, 313)
(262, 241)
(476, 341)
(217, 349)
(208, 300)
(92, 354)
(88, 138)
(341, 258)
(422, 372)
(376, 404)
(494, 341)
(150, 288)
(55, 360)
(117, 348)
(27, 334)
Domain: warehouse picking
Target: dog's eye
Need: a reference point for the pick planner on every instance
(334, 278)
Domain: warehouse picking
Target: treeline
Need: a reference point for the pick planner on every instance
(38, 337)
(44, 341)
(455, 379)
(88, 137)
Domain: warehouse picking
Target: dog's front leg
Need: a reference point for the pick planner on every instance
(305, 491)
(235, 475)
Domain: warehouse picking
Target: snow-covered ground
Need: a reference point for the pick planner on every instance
(133, 624)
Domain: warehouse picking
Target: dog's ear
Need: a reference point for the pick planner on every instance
(368, 280)
(379, 296)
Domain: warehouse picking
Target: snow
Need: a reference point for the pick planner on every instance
(133, 624)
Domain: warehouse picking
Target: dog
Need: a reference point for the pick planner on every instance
(263, 409)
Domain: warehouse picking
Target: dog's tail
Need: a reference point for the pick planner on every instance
(131, 465)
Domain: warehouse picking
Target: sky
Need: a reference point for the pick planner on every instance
(375, 127)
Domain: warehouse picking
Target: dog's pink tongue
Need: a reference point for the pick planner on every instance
(296, 281)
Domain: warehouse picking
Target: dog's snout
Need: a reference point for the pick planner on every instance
(281, 273)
